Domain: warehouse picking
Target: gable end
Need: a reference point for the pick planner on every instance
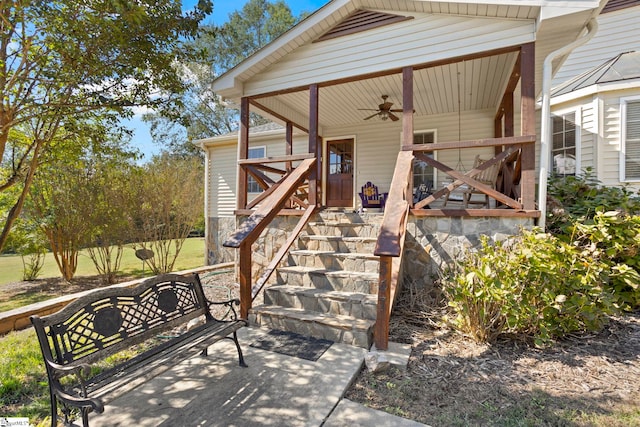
(362, 20)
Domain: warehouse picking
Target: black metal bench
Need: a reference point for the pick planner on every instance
(106, 321)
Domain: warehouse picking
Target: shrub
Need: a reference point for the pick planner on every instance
(615, 238)
(579, 198)
(535, 284)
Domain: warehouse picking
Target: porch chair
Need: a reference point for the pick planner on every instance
(488, 177)
(371, 198)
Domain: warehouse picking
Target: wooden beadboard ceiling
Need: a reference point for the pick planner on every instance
(470, 85)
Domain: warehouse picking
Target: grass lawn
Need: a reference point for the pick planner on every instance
(191, 256)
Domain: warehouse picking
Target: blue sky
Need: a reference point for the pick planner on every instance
(221, 11)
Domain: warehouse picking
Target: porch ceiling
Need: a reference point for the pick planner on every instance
(470, 85)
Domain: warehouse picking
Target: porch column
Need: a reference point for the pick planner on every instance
(243, 153)
(407, 106)
(528, 111)
(314, 147)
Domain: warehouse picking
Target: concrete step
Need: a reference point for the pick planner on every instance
(337, 243)
(337, 328)
(330, 260)
(345, 229)
(321, 278)
(354, 304)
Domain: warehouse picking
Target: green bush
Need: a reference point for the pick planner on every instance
(615, 239)
(579, 198)
(534, 285)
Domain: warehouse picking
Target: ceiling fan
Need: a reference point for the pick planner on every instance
(384, 110)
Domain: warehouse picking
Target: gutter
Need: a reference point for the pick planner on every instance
(545, 125)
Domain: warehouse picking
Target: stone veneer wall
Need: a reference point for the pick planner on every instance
(217, 231)
(432, 243)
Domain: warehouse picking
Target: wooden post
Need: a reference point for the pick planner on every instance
(407, 106)
(381, 333)
(289, 142)
(316, 173)
(528, 112)
(243, 153)
(245, 279)
(288, 152)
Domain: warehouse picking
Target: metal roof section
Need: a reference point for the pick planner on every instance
(625, 66)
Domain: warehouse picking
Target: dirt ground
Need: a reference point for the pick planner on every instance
(584, 380)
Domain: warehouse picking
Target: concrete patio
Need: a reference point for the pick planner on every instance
(275, 390)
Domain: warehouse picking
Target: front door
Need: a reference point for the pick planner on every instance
(339, 164)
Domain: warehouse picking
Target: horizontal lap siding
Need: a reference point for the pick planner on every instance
(610, 153)
(618, 32)
(378, 144)
(421, 40)
(223, 162)
(588, 137)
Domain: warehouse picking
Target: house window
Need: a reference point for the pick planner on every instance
(422, 172)
(630, 113)
(255, 153)
(563, 150)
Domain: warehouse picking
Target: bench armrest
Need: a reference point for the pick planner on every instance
(229, 303)
(80, 372)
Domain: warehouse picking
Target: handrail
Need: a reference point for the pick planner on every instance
(278, 159)
(390, 244)
(266, 274)
(252, 227)
(474, 143)
(260, 218)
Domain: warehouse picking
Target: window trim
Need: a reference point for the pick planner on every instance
(249, 178)
(623, 138)
(435, 153)
(577, 111)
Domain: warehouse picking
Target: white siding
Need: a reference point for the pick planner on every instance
(223, 161)
(421, 40)
(377, 144)
(618, 32)
(222, 177)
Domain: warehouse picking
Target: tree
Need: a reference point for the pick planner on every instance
(202, 113)
(73, 196)
(169, 202)
(62, 61)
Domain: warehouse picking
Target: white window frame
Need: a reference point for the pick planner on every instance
(435, 154)
(623, 137)
(577, 112)
(250, 179)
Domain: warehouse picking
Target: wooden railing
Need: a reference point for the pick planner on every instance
(278, 195)
(509, 157)
(269, 178)
(390, 244)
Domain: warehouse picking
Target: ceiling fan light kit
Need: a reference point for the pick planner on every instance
(383, 111)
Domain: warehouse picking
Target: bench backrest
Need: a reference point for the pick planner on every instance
(106, 321)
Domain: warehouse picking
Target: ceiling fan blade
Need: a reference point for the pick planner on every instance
(397, 110)
(367, 109)
(386, 106)
(393, 117)
(371, 116)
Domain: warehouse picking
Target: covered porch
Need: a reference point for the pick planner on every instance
(433, 100)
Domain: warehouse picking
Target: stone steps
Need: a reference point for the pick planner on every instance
(328, 285)
(332, 260)
(342, 244)
(338, 328)
(356, 304)
(321, 278)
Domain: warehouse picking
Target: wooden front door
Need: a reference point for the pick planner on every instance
(339, 164)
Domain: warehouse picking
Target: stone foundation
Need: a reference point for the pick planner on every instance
(218, 229)
(433, 243)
